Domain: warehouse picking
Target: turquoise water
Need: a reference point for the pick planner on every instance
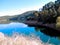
(9, 29)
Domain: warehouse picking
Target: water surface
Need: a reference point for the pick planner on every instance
(9, 29)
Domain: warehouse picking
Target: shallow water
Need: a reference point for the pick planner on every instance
(21, 29)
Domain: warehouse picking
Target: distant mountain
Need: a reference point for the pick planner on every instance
(4, 19)
(22, 17)
(17, 18)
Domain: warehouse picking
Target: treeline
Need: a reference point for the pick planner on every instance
(50, 13)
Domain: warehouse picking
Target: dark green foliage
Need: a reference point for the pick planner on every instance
(49, 15)
(50, 12)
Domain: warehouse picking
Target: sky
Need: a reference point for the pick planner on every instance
(13, 7)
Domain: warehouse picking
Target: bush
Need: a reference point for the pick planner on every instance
(58, 22)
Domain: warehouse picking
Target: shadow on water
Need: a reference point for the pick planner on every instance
(47, 37)
(51, 33)
(8, 29)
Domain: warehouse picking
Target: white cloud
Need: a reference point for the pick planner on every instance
(19, 11)
(12, 25)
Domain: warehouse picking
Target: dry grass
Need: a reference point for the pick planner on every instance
(19, 40)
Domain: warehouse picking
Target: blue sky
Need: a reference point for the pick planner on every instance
(12, 7)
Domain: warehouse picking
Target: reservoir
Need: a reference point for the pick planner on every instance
(20, 28)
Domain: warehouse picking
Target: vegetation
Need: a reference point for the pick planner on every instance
(58, 22)
(50, 13)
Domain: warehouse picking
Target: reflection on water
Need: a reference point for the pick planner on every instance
(29, 35)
